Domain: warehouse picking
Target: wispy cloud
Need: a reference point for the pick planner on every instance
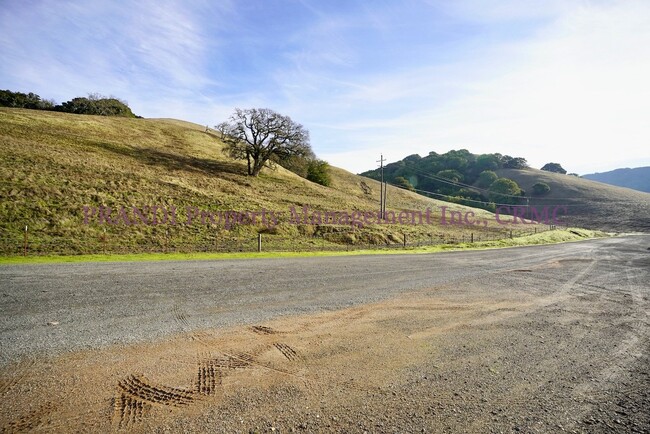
(574, 91)
(557, 80)
(141, 51)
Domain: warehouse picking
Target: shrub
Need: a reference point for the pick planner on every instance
(96, 105)
(486, 178)
(540, 188)
(505, 190)
(402, 182)
(318, 171)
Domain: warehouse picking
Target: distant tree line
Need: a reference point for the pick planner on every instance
(93, 104)
(462, 177)
(457, 176)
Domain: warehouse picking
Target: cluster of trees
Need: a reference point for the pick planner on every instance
(463, 177)
(25, 100)
(554, 167)
(93, 104)
(262, 136)
(458, 176)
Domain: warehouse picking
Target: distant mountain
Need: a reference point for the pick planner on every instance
(637, 178)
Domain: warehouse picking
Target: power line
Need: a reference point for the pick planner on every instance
(460, 184)
(457, 198)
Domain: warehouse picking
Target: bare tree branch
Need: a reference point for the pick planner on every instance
(258, 135)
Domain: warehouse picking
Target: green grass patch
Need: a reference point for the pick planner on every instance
(550, 237)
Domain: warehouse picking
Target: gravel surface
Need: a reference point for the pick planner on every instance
(99, 304)
(534, 339)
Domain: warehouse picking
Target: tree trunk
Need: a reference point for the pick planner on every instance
(257, 167)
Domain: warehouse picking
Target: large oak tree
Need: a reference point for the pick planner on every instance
(554, 167)
(258, 135)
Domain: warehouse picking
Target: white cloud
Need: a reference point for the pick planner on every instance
(576, 93)
(503, 10)
(149, 51)
(557, 81)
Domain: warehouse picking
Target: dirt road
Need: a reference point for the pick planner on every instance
(536, 339)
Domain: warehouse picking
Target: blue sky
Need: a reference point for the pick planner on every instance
(562, 81)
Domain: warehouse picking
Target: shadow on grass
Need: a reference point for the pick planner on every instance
(170, 161)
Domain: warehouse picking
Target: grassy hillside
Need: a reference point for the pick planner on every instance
(55, 164)
(590, 204)
(471, 179)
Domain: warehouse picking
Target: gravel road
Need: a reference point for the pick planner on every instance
(564, 345)
(99, 304)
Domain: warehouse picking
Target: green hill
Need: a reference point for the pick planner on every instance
(486, 181)
(58, 169)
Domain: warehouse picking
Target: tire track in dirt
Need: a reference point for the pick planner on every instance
(139, 387)
(137, 394)
(130, 410)
(208, 377)
(263, 330)
(235, 361)
(31, 420)
(630, 349)
(628, 352)
(287, 351)
(17, 375)
(182, 318)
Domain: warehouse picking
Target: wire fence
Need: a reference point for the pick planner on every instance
(33, 245)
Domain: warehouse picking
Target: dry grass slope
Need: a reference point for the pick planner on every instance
(590, 204)
(54, 164)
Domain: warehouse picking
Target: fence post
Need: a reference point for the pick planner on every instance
(510, 233)
(404, 240)
(25, 243)
(259, 243)
(471, 237)
(104, 242)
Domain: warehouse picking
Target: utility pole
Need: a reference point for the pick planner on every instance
(385, 196)
(382, 204)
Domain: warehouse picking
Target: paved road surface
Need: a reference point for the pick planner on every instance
(100, 304)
